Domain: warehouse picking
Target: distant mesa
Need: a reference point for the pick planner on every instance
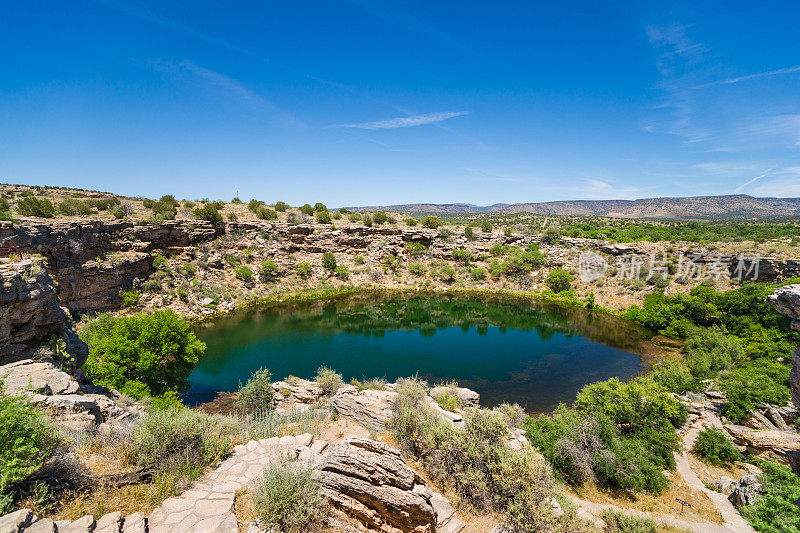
(735, 206)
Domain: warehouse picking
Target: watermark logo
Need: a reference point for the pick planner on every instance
(593, 266)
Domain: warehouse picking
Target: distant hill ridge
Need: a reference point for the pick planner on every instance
(734, 206)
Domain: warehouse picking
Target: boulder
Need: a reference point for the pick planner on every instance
(300, 394)
(724, 484)
(370, 481)
(466, 397)
(781, 445)
(45, 525)
(371, 407)
(40, 377)
(747, 490)
(14, 522)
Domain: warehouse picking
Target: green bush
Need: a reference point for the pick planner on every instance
(254, 204)
(469, 233)
(269, 270)
(177, 437)
(411, 222)
(159, 261)
(486, 226)
(366, 220)
(752, 383)
(244, 273)
(559, 280)
(415, 249)
(431, 222)
(462, 255)
(288, 498)
(328, 380)
(323, 217)
(416, 269)
(265, 213)
(328, 261)
(281, 206)
(72, 207)
(28, 440)
(478, 274)
(342, 272)
(306, 209)
(359, 260)
(30, 206)
(379, 217)
(146, 354)
(354, 217)
(447, 273)
(130, 298)
(209, 213)
(319, 206)
(256, 395)
(777, 511)
(303, 269)
(618, 522)
(551, 235)
(715, 447)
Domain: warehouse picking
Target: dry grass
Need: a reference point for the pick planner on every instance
(708, 473)
(663, 504)
(244, 509)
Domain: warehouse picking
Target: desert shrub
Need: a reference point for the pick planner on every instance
(475, 462)
(715, 448)
(415, 249)
(416, 269)
(469, 233)
(478, 274)
(281, 206)
(244, 273)
(551, 235)
(268, 270)
(342, 272)
(329, 380)
(559, 280)
(159, 261)
(359, 260)
(617, 522)
(379, 217)
(123, 210)
(232, 217)
(462, 255)
(674, 376)
(169, 199)
(103, 204)
(411, 222)
(28, 440)
(72, 207)
(486, 226)
(710, 350)
(30, 206)
(777, 510)
(306, 209)
(146, 353)
(130, 298)
(508, 232)
(446, 273)
(187, 269)
(319, 206)
(303, 269)
(323, 217)
(498, 250)
(151, 286)
(265, 213)
(366, 220)
(447, 401)
(328, 261)
(431, 222)
(180, 439)
(288, 498)
(208, 213)
(257, 393)
(336, 215)
(354, 217)
(254, 204)
(513, 413)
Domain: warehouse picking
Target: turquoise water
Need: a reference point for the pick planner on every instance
(519, 351)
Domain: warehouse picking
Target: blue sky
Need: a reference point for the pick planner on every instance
(376, 102)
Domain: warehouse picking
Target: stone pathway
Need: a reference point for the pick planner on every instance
(207, 506)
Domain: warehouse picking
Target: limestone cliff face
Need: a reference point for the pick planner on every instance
(787, 301)
(29, 310)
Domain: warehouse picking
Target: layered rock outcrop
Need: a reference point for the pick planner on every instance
(370, 480)
(787, 301)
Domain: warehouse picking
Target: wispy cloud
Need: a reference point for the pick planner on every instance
(748, 77)
(406, 122)
(744, 185)
(229, 89)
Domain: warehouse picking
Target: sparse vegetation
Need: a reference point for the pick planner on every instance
(288, 498)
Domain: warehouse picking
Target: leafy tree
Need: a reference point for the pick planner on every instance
(306, 209)
(281, 206)
(486, 226)
(469, 233)
(379, 217)
(142, 354)
(715, 447)
(256, 395)
(323, 217)
(320, 207)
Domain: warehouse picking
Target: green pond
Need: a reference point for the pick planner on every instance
(508, 350)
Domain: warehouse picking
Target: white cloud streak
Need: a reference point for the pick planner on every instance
(406, 122)
(741, 187)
